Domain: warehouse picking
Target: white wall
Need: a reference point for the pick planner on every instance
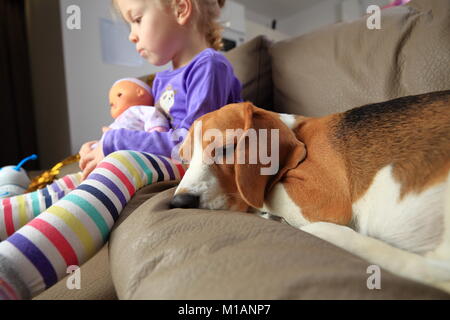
(88, 78)
(255, 29)
(258, 24)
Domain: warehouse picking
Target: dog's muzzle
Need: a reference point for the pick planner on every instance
(185, 200)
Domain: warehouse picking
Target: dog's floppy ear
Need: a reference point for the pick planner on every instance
(251, 183)
(192, 138)
(185, 150)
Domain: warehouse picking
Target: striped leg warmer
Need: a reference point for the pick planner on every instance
(15, 212)
(72, 230)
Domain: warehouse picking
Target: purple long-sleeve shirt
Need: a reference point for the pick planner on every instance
(206, 84)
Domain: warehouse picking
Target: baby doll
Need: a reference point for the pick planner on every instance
(132, 108)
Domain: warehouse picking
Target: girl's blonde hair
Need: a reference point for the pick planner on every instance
(206, 14)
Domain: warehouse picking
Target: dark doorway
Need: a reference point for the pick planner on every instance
(17, 127)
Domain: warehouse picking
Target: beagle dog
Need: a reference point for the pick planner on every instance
(374, 180)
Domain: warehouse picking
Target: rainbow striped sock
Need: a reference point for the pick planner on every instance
(76, 227)
(17, 211)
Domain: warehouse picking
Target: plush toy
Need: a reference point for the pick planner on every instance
(14, 179)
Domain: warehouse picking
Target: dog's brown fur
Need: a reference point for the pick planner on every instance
(411, 133)
(346, 150)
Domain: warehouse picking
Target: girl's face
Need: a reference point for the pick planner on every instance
(154, 29)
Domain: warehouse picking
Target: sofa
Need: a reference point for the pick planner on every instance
(159, 253)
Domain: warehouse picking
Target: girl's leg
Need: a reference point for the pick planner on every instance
(17, 211)
(76, 227)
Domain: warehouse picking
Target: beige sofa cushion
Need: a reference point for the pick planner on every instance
(157, 253)
(347, 65)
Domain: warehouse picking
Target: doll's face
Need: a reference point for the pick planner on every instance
(127, 94)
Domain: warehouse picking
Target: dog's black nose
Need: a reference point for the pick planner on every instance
(185, 200)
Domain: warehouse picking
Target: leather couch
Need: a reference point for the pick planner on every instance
(157, 253)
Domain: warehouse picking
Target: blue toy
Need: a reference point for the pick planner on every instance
(14, 179)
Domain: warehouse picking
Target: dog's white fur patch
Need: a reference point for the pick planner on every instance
(201, 181)
(288, 119)
(414, 224)
(279, 203)
(443, 251)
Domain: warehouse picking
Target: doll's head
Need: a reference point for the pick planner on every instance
(129, 92)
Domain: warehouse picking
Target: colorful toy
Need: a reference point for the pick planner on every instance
(49, 176)
(14, 179)
(396, 3)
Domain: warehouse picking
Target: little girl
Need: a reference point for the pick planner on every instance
(201, 80)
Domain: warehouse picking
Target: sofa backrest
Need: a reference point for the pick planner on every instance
(252, 66)
(346, 65)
